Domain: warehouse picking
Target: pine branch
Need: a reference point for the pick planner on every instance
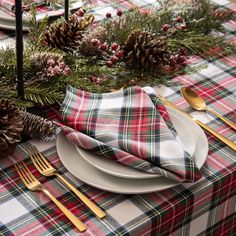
(200, 44)
(8, 63)
(36, 29)
(43, 95)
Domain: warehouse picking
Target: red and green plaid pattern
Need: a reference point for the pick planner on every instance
(206, 207)
(129, 127)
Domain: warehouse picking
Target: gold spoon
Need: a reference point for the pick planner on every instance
(197, 102)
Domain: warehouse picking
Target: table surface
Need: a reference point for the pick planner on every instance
(206, 207)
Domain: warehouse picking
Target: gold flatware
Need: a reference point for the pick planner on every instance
(34, 185)
(45, 168)
(213, 132)
(197, 102)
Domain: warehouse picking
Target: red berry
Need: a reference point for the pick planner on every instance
(114, 59)
(119, 13)
(172, 60)
(179, 19)
(114, 46)
(80, 12)
(93, 78)
(183, 26)
(109, 63)
(103, 47)
(95, 42)
(108, 15)
(183, 51)
(98, 81)
(119, 54)
(181, 60)
(166, 68)
(165, 27)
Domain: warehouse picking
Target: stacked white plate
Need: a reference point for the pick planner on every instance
(114, 177)
(7, 21)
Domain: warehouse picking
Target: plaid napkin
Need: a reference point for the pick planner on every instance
(130, 127)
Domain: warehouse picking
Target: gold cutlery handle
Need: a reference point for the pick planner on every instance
(231, 124)
(213, 132)
(76, 222)
(216, 134)
(92, 206)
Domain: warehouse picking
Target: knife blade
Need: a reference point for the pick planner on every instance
(225, 140)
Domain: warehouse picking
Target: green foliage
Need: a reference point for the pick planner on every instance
(8, 63)
(200, 16)
(201, 44)
(36, 29)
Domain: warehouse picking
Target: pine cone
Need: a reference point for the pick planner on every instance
(64, 34)
(10, 127)
(88, 49)
(47, 64)
(39, 60)
(146, 51)
(38, 127)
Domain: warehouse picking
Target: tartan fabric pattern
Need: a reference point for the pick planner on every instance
(206, 207)
(169, 212)
(127, 127)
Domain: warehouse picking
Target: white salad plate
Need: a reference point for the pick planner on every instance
(182, 125)
(87, 173)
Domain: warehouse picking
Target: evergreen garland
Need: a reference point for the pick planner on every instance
(98, 63)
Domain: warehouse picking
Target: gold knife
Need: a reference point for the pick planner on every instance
(213, 132)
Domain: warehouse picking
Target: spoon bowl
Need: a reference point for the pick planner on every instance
(193, 99)
(198, 103)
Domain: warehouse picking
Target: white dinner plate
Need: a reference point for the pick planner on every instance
(81, 169)
(8, 21)
(182, 125)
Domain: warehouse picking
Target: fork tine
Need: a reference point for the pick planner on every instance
(22, 173)
(41, 157)
(28, 172)
(22, 176)
(35, 160)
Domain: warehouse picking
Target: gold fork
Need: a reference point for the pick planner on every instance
(34, 185)
(45, 168)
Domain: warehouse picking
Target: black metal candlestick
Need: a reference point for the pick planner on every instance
(19, 49)
(66, 14)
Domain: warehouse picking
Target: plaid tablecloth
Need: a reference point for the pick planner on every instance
(206, 207)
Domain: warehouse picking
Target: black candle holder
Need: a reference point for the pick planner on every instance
(66, 13)
(19, 49)
(19, 45)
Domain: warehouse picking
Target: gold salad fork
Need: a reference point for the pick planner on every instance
(34, 185)
(45, 168)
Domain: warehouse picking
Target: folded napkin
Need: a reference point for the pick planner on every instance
(129, 126)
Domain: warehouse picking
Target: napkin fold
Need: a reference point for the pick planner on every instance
(129, 126)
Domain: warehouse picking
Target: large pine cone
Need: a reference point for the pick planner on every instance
(145, 51)
(11, 127)
(66, 35)
(39, 127)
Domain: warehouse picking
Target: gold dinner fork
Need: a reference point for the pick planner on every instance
(34, 185)
(45, 168)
